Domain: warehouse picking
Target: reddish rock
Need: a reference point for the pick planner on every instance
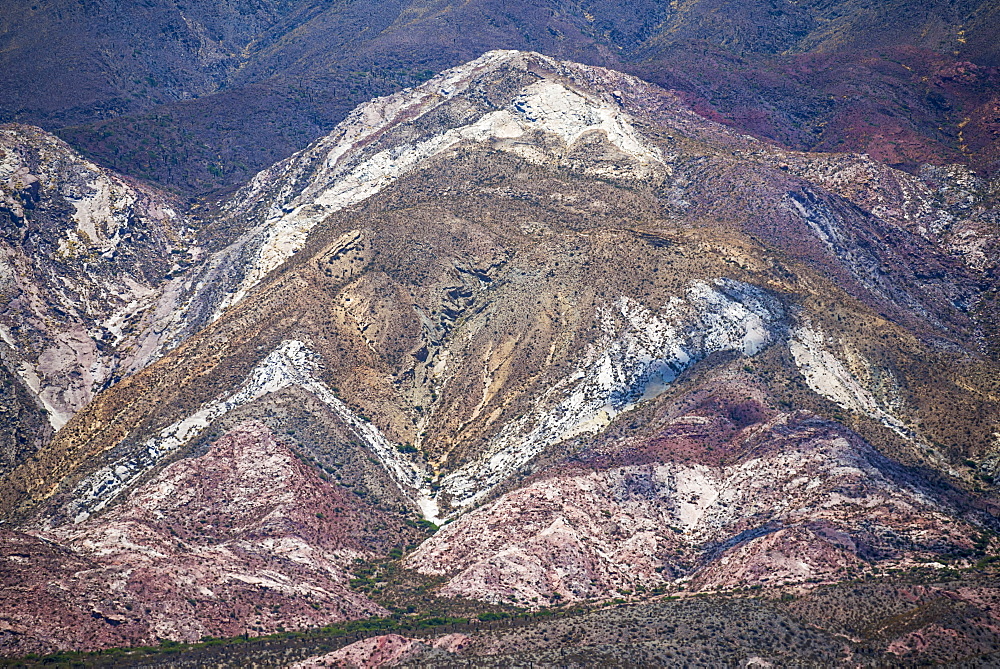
(805, 500)
(244, 539)
(382, 651)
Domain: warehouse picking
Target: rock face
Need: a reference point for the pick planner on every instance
(84, 253)
(616, 346)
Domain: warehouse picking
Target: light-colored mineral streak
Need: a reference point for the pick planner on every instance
(829, 377)
(290, 364)
(641, 353)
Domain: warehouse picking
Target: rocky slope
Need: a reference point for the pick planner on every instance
(617, 346)
(85, 252)
(784, 500)
(244, 538)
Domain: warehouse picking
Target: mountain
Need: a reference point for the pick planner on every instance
(612, 347)
(199, 96)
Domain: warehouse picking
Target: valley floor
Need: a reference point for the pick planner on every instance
(922, 617)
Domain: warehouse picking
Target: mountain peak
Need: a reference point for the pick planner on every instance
(532, 106)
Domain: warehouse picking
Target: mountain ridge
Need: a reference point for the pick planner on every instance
(161, 91)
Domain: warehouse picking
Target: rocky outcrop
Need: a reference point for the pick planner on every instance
(384, 651)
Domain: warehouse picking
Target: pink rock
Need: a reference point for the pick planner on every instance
(378, 651)
(244, 539)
